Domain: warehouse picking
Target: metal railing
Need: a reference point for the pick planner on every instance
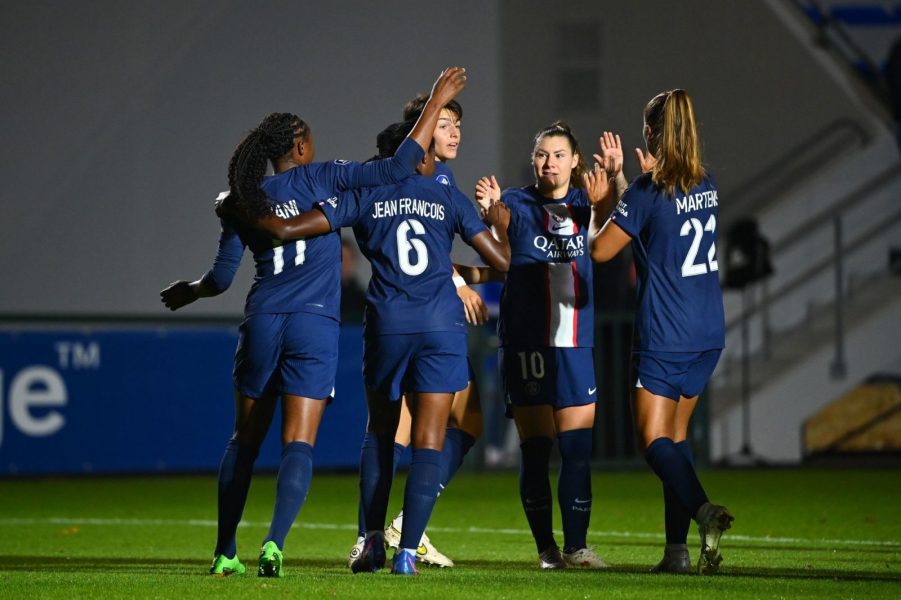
(835, 260)
(795, 165)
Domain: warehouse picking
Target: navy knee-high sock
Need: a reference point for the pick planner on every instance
(456, 444)
(376, 473)
(535, 489)
(291, 488)
(574, 486)
(677, 519)
(676, 472)
(361, 516)
(423, 482)
(235, 472)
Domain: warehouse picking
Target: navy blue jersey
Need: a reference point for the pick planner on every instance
(443, 174)
(680, 304)
(547, 297)
(406, 231)
(302, 275)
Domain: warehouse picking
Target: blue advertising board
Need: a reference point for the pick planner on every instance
(145, 399)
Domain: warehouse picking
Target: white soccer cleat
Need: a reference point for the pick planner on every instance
(713, 520)
(426, 553)
(355, 551)
(585, 558)
(551, 558)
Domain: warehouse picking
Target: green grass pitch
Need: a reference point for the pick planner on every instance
(823, 533)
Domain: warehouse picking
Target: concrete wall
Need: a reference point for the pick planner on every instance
(119, 119)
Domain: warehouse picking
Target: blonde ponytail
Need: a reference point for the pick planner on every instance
(674, 141)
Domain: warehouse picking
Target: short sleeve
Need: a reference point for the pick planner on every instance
(634, 209)
(341, 210)
(467, 222)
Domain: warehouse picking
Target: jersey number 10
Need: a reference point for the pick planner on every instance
(689, 266)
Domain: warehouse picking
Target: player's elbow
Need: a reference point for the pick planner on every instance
(501, 262)
(602, 253)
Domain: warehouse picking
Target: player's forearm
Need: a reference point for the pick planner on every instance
(621, 183)
(474, 275)
(306, 225)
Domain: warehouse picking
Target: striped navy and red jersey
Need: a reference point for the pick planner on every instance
(547, 297)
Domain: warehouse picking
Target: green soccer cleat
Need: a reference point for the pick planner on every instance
(223, 566)
(270, 561)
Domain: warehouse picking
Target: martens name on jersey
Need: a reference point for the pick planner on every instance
(696, 202)
(408, 206)
(561, 248)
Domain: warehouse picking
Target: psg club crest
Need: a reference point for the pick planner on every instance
(559, 221)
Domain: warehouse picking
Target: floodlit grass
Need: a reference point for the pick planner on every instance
(798, 533)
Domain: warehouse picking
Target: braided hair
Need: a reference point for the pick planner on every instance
(269, 141)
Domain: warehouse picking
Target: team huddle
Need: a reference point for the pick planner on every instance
(539, 240)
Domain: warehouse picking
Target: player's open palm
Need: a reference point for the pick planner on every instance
(612, 151)
(450, 83)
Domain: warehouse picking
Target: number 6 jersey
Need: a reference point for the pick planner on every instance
(406, 231)
(680, 303)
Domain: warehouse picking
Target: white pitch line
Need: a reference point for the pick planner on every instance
(69, 521)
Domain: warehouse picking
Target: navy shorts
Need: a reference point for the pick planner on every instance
(560, 377)
(435, 361)
(294, 354)
(674, 374)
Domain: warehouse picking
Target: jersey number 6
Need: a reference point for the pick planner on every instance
(407, 243)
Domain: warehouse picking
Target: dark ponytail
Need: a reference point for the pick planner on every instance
(272, 139)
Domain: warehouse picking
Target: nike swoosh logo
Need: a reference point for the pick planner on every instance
(557, 227)
(580, 501)
(592, 390)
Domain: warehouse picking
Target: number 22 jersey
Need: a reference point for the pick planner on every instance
(680, 303)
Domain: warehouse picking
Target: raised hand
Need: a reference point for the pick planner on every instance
(612, 151)
(597, 184)
(178, 294)
(645, 162)
(487, 191)
(497, 215)
(450, 83)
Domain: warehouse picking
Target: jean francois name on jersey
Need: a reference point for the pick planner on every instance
(561, 248)
(408, 206)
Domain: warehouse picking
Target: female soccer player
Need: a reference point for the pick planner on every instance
(465, 424)
(546, 330)
(414, 331)
(288, 340)
(669, 214)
